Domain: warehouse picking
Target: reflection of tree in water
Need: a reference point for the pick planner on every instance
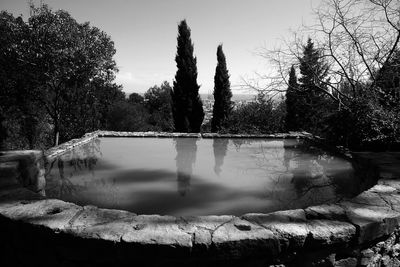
(69, 164)
(220, 146)
(186, 149)
(65, 186)
(316, 179)
(289, 152)
(238, 142)
(316, 176)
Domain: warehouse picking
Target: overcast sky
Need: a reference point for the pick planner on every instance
(144, 33)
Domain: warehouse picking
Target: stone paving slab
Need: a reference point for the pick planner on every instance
(239, 238)
(290, 227)
(52, 213)
(91, 216)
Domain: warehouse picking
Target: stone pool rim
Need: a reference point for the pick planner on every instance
(367, 217)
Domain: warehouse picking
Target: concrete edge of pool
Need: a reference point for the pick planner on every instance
(340, 233)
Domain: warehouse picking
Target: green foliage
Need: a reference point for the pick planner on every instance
(222, 92)
(312, 104)
(388, 80)
(135, 98)
(259, 117)
(69, 57)
(187, 107)
(125, 116)
(18, 84)
(365, 124)
(158, 104)
(55, 73)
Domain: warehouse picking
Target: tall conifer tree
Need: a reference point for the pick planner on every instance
(313, 72)
(293, 101)
(222, 92)
(187, 107)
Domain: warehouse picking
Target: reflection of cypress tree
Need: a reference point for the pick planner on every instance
(288, 153)
(220, 146)
(60, 165)
(186, 149)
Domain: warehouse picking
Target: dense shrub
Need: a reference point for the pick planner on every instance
(125, 116)
(365, 124)
(256, 118)
(158, 104)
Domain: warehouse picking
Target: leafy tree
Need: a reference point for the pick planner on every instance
(258, 117)
(56, 76)
(187, 107)
(107, 94)
(125, 116)
(69, 56)
(365, 124)
(293, 103)
(135, 98)
(17, 82)
(158, 104)
(222, 92)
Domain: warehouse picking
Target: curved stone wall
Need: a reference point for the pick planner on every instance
(347, 233)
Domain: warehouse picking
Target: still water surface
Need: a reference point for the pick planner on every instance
(190, 176)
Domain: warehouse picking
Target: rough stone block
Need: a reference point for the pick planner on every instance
(30, 168)
(369, 198)
(390, 182)
(326, 211)
(157, 230)
(329, 232)
(202, 227)
(111, 231)
(9, 174)
(383, 189)
(240, 238)
(372, 221)
(290, 227)
(52, 213)
(91, 215)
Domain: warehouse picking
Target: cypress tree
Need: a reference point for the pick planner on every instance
(292, 102)
(187, 107)
(222, 92)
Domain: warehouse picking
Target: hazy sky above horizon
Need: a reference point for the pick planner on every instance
(145, 31)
